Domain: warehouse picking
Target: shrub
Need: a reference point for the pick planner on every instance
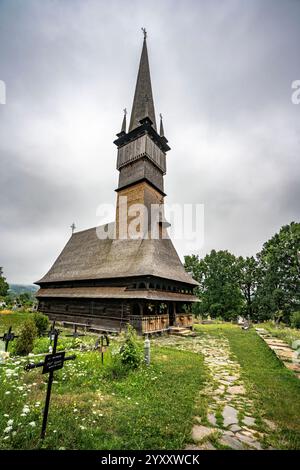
(41, 323)
(131, 352)
(295, 320)
(25, 341)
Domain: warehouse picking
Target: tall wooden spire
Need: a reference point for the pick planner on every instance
(143, 104)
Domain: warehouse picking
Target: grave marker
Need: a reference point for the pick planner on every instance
(7, 337)
(103, 346)
(51, 363)
(75, 333)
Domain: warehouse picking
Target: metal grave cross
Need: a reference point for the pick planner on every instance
(51, 332)
(7, 337)
(51, 363)
(102, 347)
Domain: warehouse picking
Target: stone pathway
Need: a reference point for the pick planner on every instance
(290, 357)
(230, 422)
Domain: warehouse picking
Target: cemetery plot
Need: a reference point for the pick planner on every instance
(51, 363)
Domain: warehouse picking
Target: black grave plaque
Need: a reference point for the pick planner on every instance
(53, 362)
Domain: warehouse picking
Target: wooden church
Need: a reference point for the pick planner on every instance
(108, 282)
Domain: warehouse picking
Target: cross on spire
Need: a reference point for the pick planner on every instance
(73, 226)
(144, 32)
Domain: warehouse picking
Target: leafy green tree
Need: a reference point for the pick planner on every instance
(3, 284)
(219, 276)
(249, 274)
(278, 291)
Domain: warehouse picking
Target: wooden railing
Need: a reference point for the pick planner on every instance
(150, 324)
(184, 320)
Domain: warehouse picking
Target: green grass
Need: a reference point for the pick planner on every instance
(282, 332)
(274, 388)
(13, 319)
(41, 344)
(151, 408)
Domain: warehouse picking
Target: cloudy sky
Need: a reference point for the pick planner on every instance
(221, 76)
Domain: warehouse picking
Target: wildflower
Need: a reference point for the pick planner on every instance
(6, 416)
(10, 422)
(7, 393)
(7, 429)
(25, 409)
(32, 424)
(5, 438)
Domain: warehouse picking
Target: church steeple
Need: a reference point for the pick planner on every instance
(142, 150)
(143, 104)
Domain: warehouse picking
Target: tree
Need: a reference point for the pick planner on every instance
(219, 276)
(278, 291)
(3, 284)
(249, 273)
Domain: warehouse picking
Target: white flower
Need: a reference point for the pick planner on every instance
(7, 393)
(6, 416)
(54, 430)
(8, 429)
(32, 424)
(10, 422)
(25, 409)
(5, 438)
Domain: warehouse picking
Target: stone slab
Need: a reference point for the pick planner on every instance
(199, 432)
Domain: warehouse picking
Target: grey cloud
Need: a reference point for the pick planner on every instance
(221, 76)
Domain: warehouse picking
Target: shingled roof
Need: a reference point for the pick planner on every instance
(85, 256)
(114, 293)
(143, 104)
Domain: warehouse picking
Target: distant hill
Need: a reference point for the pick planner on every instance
(18, 289)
